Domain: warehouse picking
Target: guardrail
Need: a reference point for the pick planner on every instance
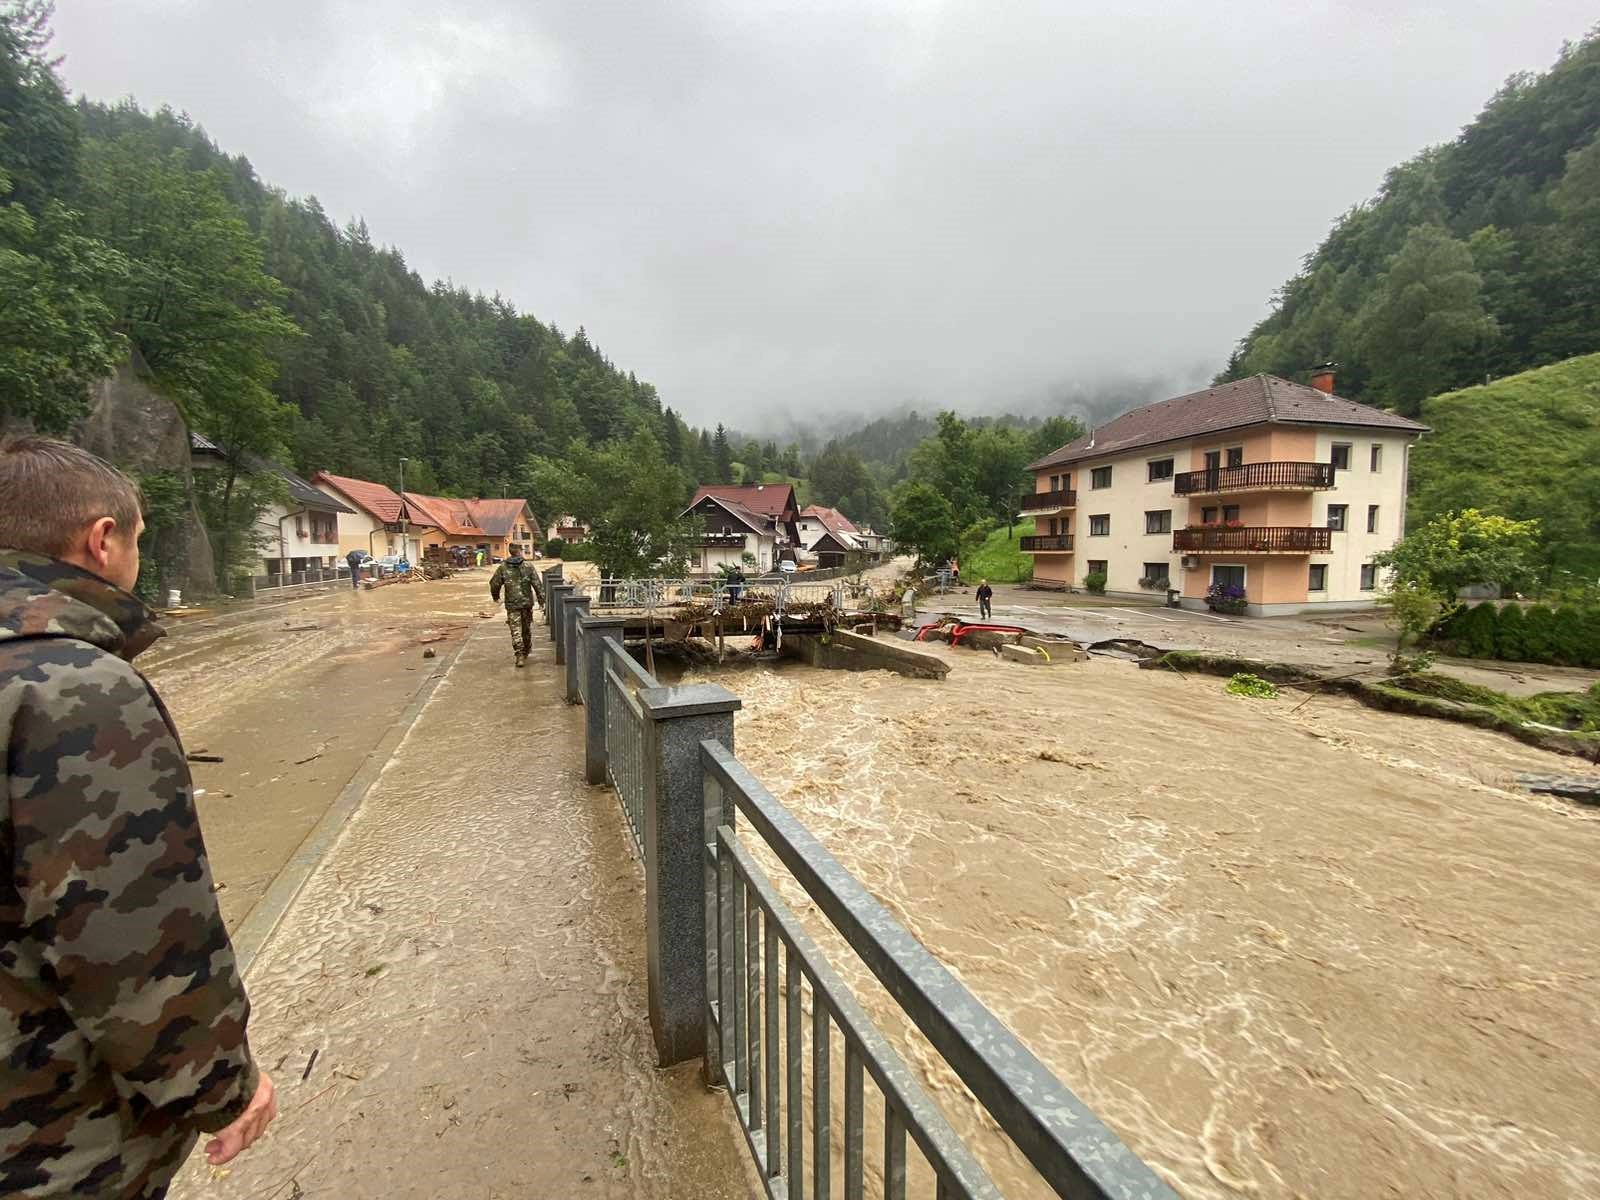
(730, 964)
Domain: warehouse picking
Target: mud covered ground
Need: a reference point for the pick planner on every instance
(1318, 952)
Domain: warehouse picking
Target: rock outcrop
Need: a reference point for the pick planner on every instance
(142, 431)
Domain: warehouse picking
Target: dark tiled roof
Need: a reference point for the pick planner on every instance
(758, 522)
(1258, 400)
(301, 492)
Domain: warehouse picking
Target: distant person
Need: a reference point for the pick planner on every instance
(736, 583)
(122, 1012)
(985, 600)
(515, 578)
(955, 571)
(354, 559)
(479, 557)
(908, 604)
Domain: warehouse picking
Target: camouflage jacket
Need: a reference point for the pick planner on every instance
(122, 1013)
(515, 577)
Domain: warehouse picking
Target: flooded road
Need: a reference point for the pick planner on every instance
(1325, 952)
(467, 961)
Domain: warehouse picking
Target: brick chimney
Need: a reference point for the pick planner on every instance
(1322, 378)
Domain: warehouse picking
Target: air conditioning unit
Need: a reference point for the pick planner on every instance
(1191, 562)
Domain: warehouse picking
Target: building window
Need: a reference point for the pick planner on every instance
(1336, 516)
(1160, 468)
(1372, 518)
(1054, 527)
(1369, 577)
(1319, 578)
(1100, 477)
(1377, 456)
(1055, 483)
(1208, 515)
(1156, 572)
(1097, 566)
(1100, 525)
(1341, 456)
(1236, 456)
(1158, 521)
(1230, 512)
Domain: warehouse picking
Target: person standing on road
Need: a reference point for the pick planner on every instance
(354, 559)
(515, 578)
(985, 600)
(122, 1011)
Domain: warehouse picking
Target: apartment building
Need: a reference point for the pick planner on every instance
(1283, 491)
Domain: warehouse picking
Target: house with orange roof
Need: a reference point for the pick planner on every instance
(758, 519)
(488, 525)
(379, 524)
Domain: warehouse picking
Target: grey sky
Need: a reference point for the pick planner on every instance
(779, 208)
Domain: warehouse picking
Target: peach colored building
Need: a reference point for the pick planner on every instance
(1282, 490)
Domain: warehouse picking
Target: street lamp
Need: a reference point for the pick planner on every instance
(405, 551)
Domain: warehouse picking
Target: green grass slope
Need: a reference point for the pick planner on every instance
(997, 558)
(1526, 446)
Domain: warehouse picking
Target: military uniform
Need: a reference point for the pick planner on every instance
(515, 577)
(122, 1013)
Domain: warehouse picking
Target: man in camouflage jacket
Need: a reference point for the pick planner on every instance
(515, 578)
(122, 1012)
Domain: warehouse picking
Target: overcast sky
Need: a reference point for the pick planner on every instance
(774, 208)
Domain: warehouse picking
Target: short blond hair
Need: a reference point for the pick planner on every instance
(51, 490)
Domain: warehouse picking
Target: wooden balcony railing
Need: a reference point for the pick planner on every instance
(1049, 541)
(1253, 539)
(1041, 501)
(1286, 476)
(722, 539)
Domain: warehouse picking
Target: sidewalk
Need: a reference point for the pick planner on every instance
(468, 964)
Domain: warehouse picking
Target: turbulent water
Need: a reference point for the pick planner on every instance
(1284, 952)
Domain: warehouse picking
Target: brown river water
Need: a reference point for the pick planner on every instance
(1317, 952)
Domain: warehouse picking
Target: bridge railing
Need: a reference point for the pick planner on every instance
(731, 966)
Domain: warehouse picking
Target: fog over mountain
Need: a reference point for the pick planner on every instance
(839, 209)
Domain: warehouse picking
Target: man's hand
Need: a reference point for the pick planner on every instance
(252, 1123)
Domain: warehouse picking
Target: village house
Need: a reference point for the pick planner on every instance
(569, 529)
(488, 525)
(300, 533)
(1281, 493)
(758, 519)
(375, 525)
(827, 536)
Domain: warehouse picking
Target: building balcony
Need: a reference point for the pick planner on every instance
(1050, 543)
(1255, 477)
(722, 539)
(1253, 539)
(1049, 501)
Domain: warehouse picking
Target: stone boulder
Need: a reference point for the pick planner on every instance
(141, 431)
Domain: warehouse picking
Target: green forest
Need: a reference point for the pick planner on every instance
(1477, 259)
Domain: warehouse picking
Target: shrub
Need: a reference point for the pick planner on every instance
(1510, 634)
(555, 547)
(1567, 636)
(1226, 598)
(1539, 634)
(1095, 581)
(1449, 627)
(1245, 684)
(1475, 630)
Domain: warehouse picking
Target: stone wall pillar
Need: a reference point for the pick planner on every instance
(677, 720)
(573, 612)
(595, 632)
(559, 594)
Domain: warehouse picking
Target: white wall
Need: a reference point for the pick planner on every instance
(1357, 488)
(1130, 495)
(708, 559)
(292, 544)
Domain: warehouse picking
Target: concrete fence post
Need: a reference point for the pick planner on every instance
(559, 595)
(677, 720)
(551, 578)
(576, 608)
(595, 632)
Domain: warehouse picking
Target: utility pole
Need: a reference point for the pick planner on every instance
(405, 528)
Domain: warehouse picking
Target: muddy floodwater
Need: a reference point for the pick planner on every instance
(1284, 952)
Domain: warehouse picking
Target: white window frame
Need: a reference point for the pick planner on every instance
(1344, 518)
(1151, 464)
(1157, 512)
(1333, 455)
(1106, 517)
(1323, 567)
(1094, 478)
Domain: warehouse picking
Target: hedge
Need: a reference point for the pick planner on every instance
(1566, 636)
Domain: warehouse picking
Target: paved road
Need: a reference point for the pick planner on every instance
(467, 962)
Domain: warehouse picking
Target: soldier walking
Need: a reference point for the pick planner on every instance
(515, 578)
(121, 1007)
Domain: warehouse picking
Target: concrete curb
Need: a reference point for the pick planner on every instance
(254, 931)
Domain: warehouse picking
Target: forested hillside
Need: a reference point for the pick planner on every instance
(1525, 447)
(123, 231)
(1479, 258)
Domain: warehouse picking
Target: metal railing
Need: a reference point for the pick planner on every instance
(730, 965)
(1043, 501)
(625, 734)
(1047, 541)
(1285, 475)
(1255, 539)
